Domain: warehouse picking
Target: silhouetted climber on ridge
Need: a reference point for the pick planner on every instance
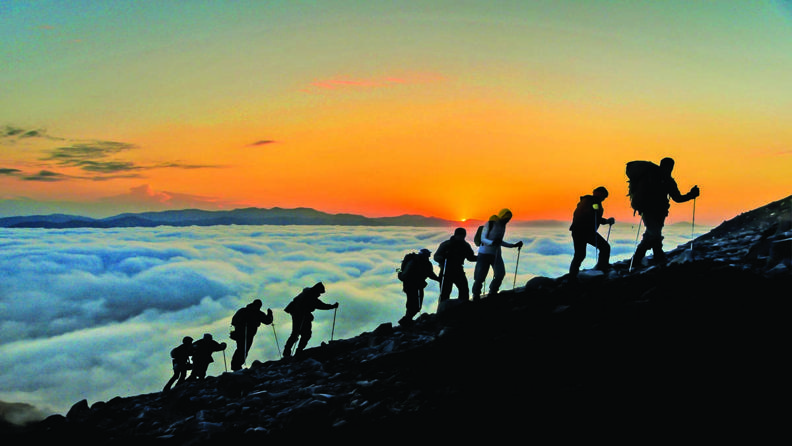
(244, 325)
(301, 310)
(451, 256)
(586, 219)
(202, 355)
(489, 253)
(181, 362)
(415, 269)
(650, 187)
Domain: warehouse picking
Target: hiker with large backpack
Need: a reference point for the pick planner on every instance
(489, 253)
(451, 256)
(244, 325)
(415, 269)
(650, 187)
(586, 220)
(301, 309)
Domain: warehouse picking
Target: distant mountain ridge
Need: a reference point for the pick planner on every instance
(198, 217)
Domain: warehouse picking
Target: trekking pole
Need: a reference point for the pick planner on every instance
(693, 226)
(636, 243)
(609, 229)
(244, 357)
(225, 364)
(332, 332)
(442, 277)
(517, 265)
(276, 340)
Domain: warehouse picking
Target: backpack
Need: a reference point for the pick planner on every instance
(403, 271)
(641, 179)
(477, 237)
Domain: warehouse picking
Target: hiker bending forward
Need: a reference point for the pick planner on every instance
(202, 355)
(181, 362)
(587, 218)
(244, 325)
(301, 310)
(489, 253)
(413, 278)
(451, 256)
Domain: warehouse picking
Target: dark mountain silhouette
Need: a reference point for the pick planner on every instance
(691, 351)
(197, 217)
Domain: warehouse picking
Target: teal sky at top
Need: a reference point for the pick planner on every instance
(100, 59)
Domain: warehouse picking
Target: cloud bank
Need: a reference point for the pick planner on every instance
(94, 313)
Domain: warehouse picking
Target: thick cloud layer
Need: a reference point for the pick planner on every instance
(94, 313)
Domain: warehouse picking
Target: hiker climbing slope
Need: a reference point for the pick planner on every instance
(301, 309)
(650, 187)
(451, 256)
(415, 269)
(202, 355)
(244, 325)
(181, 362)
(586, 219)
(489, 253)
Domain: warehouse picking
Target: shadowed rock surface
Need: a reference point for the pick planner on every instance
(689, 351)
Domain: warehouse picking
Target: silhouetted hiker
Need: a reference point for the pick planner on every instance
(415, 269)
(181, 362)
(451, 256)
(244, 325)
(489, 253)
(586, 219)
(650, 188)
(202, 355)
(301, 310)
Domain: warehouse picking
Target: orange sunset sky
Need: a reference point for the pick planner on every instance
(452, 109)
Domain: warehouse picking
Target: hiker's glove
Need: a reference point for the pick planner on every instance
(519, 244)
(611, 221)
(694, 193)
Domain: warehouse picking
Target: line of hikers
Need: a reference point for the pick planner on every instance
(651, 187)
(197, 356)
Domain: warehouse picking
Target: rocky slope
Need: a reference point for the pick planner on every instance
(691, 350)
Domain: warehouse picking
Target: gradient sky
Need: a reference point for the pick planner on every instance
(452, 109)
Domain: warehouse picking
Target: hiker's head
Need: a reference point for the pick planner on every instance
(460, 233)
(318, 288)
(256, 304)
(667, 165)
(425, 252)
(207, 337)
(187, 340)
(600, 193)
(504, 215)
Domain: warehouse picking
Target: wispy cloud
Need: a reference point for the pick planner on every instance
(98, 160)
(261, 142)
(344, 83)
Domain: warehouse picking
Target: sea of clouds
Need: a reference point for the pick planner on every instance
(93, 313)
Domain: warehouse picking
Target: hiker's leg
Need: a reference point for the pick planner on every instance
(603, 261)
(498, 273)
(579, 244)
(480, 274)
(460, 280)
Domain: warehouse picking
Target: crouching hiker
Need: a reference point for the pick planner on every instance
(202, 355)
(244, 325)
(181, 362)
(301, 310)
(415, 269)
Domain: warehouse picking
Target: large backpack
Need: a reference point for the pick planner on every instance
(477, 237)
(641, 180)
(404, 271)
